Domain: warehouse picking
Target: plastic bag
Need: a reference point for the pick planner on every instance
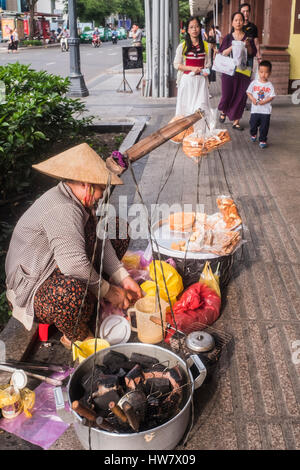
(210, 279)
(137, 260)
(131, 260)
(239, 54)
(198, 307)
(173, 281)
(13, 401)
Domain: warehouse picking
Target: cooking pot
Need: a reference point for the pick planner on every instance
(164, 437)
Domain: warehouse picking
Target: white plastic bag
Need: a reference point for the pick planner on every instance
(239, 54)
(224, 64)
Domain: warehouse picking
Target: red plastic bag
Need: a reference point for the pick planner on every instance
(198, 304)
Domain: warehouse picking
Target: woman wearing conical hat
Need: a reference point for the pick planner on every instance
(48, 264)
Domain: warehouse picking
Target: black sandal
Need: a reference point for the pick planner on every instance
(222, 118)
(237, 127)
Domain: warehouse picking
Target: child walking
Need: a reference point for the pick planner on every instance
(261, 92)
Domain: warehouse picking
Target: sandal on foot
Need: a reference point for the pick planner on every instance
(222, 118)
(237, 127)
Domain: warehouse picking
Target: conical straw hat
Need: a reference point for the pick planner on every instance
(80, 163)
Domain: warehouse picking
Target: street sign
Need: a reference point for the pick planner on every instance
(132, 58)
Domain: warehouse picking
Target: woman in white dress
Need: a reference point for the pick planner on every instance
(191, 61)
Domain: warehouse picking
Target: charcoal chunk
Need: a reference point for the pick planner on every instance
(101, 402)
(144, 361)
(115, 361)
(157, 386)
(134, 377)
(86, 380)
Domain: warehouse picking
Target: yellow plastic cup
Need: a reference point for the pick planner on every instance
(87, 348)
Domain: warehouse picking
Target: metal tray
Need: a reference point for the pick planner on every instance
(164, 237)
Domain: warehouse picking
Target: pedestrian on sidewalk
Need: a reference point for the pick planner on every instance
(50, 258)
(137, 36)
(211, 38)
(10, 44)
(234, 97)
(261, 92)
(15, 41)
(250, 29)
(192, 63)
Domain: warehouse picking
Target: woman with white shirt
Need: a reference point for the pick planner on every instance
(15, 40)
(191, 61)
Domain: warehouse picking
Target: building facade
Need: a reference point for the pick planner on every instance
(279, 35)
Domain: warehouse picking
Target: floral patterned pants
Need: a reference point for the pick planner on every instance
(58, 300)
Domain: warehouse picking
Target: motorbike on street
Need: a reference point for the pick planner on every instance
(114, 37)
(96, 42)
(64, 45)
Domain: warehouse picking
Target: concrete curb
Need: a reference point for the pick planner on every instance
(3, 50)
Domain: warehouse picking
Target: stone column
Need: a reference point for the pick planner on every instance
(275, 40)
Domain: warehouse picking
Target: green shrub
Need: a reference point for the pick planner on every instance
(31, 42)
(36, 111)
(5, 312)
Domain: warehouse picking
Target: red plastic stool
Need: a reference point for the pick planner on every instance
(43, 331)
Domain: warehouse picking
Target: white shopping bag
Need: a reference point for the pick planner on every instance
(239, 54)
(224, 64)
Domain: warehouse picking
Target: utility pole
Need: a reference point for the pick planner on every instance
(78, 87)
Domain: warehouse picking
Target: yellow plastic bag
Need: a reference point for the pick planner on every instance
(210, 279)
(173, 281)
(28, 399)
(131, 260)
(13, 401)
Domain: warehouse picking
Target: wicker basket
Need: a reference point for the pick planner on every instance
(194, 146)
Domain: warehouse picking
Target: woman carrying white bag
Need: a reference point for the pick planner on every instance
(192, 63)
(235, 85)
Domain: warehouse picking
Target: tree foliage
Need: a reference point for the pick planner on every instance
(95, 10)
(98, 10)
(184, 10)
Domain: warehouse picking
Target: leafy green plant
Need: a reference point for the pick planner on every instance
(31, 42)
(5, 312)
(36, 111)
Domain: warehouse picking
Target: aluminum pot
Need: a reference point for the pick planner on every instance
(164, 437)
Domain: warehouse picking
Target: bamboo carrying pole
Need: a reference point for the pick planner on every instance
(155, 140)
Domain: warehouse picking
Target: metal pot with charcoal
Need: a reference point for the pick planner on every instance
(151, 404)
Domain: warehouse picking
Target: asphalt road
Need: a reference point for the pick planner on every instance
(94, 62)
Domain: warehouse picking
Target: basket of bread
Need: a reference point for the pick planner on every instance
(177, 139)
(216, 234)
(197, 145)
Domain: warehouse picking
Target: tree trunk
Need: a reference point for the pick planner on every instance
(31, 20)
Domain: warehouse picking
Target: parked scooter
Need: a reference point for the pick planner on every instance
(96, 42)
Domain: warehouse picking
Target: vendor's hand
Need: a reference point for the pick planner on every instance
(117, 297)
(134, 289)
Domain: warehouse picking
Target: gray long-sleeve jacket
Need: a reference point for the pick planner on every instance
(50, 234)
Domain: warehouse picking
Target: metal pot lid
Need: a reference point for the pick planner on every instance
(200, 341)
